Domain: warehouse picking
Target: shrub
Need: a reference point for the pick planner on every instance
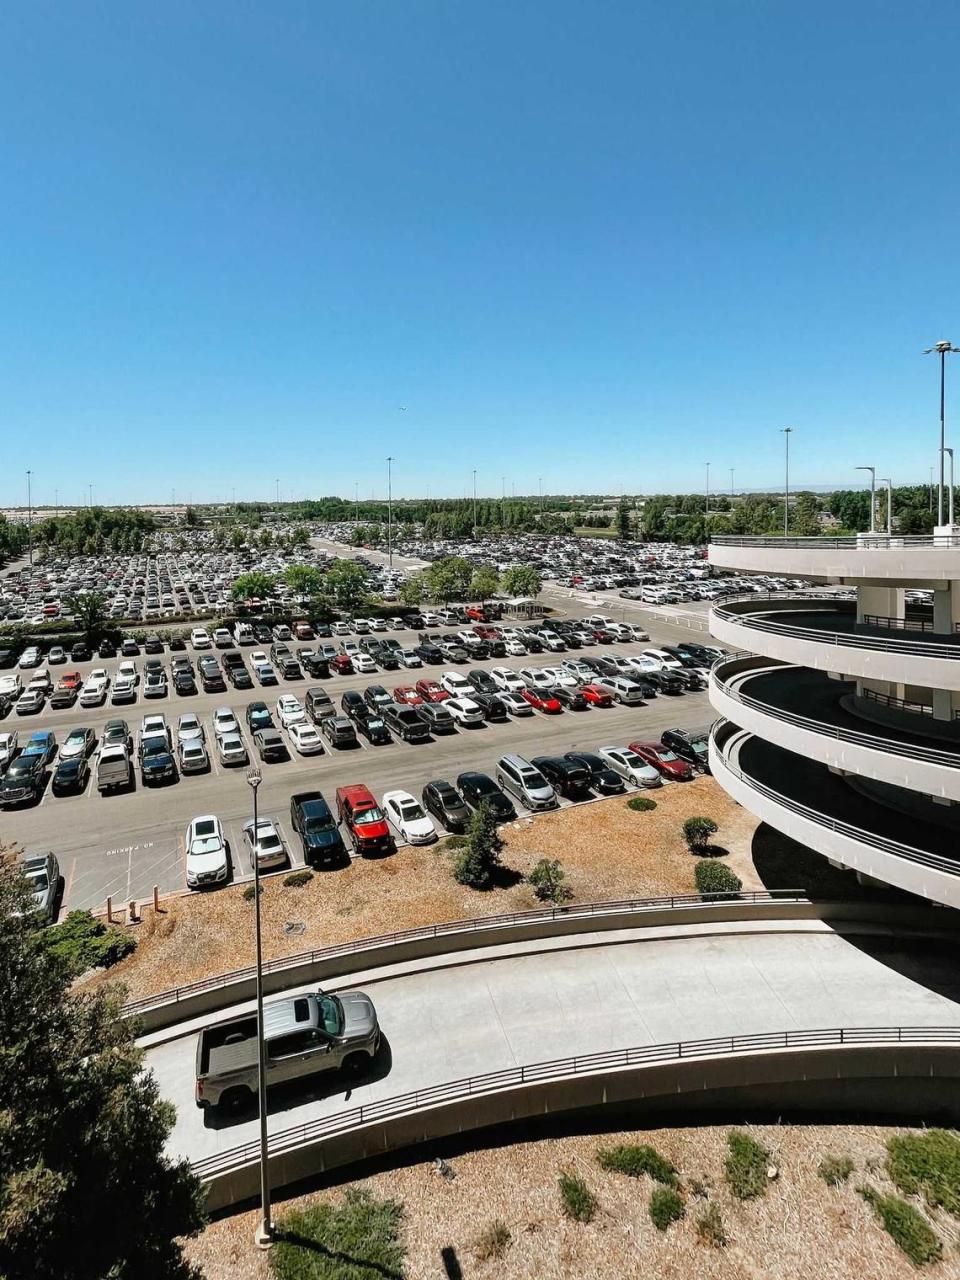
(479, 858)
(908, 1227)
(456, 842)
(927, 1164)
(641, 804)
(547, 878)
(715, 879)
(83, 942)
(635, 1161)
(296, 879)
(492, 1242)
(710, 1229)
(745, 1167)
(697, 833)
(665, 1207)
(577, 1201)
(835, 1170)
(250, 892)
(359, 1240)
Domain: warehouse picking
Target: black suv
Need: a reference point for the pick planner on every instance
(315, 664)
(353, 705)
(490, 704)
(478, 787)
(444, 802)
(688, 745)
(23, 780)
(483, 681)
(376, 697)
(602, 778)
(567, 777)
(317, 828)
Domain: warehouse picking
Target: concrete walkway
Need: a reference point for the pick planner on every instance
(444, 1023)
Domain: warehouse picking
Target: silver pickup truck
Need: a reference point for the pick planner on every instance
(303, 1034)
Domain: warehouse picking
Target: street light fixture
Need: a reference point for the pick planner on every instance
(942, 349)
(873, 492)
(706, 505)
(474, 502)
(29, 517)
(264, 1235)
(787, 431)
(889, 484)
(390, 512)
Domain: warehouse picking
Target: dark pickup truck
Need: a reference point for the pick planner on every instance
(311, 818)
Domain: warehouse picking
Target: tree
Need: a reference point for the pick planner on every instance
(191, 518)
(411, 590)
(547, 877)
(346, 584)
(697, 832)
(804, 516)
(477, 861)
(86, 1189)
(238, 538)
(448, 578)
(89, 609)
(521, 580)
(255, 585)
(306, 579)
(484, 583)
(624, 532)
(300, 536)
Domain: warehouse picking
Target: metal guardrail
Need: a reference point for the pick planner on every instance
(863, 541)
(476, 925)
(910, 854)
(899, 704)
(563, 1068)
(815, 635)
(890, 746)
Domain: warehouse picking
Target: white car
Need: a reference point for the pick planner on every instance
(514, 648)
(409, 659)
(192, 755)
(456, 685)
(231, 749)
(30, 657)
(631, 767)
(641, 665)
(509, 633)
(305, 738)
(534, 679)
(507, 679)
(207, 861)
(151, 726)
(264, 844)
(515, 703)
(94, 689)
(561, 678)
(340, 628)
(30, 702)
(128, 671)
(224, 722)
(637, 633)
(408, 818)
(259, 659)
(200, 638)
(351, 648)
(363, 663)
(464, 710)
(665, 659)
(290, 710)
(8, 747)
(552, 641)
(41, 681)
(189, 728)
(579, 670)
(124, 690)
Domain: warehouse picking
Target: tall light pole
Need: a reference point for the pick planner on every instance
(56, 501)
(942, 349)
(356, 503)
(947, 449)
(29, 518)
(706, 505)
(474, 501)
(503, 502)
(873, 492)
(731, 481)
(540, 487)
(264, 1235)
(889, 484)
(786, 479)
(390, 512)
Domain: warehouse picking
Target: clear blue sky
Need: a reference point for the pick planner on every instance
(596, 242)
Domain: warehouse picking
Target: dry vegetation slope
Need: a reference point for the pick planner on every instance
(607, 850)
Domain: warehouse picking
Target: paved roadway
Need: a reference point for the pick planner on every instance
(122, 845)
(452, 1018)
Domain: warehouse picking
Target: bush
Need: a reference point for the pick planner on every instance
(710, 1229)
(492, 1242)
(641, 804)
(835, 1170)
(83, 942)
(745, 1167)
(577, 1201)
(665, 1207)
(456, 842)
(697, 833)
(927, 1164)
(250, 892)
(714, 879)
(475, 864)
(908, 1227)
(547, 878)
(359, 1240)
(296, 879)
(635, 1161)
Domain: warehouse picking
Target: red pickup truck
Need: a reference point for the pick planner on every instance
(359, 812)
(476, 613)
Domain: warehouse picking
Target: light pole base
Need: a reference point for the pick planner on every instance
(264, 1235)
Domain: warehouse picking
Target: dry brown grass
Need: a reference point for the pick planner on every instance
(608, 851)
(800, 1230)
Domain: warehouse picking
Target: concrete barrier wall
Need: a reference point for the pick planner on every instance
(899, 1080)
(382, 952)
(916, 565)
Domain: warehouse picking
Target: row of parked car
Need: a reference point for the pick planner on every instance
(358, 822)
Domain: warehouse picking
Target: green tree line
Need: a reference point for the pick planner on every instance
(94, 529)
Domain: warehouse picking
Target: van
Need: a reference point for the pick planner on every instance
(602, 620)
(621, 689)
(243, 633)
(518, 777)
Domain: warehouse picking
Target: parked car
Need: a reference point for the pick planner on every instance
(465, 711)
(78, 742)
(517, 776)
(436, 717)
(257, 716)
(631, 767)
(23, 780)
(192, 756)
(44, 882)
(666, 762)
(604, 780)
(265, 847)
(431, 691)
(690, 746)
(207, 859)
(305, 738)
(270, 746)
(339, 731)
(231, 749)
(478, 788)
(567, 777)
(442, 799)
(542, 700)
(408, 818)
(317, 828)
(516, 704)
(364, 820)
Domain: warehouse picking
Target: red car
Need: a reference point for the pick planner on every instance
(596, 696)
(430, 691)
(542, 700)
(405, 693)
(342, 664)
(663, 760)
(601, 636)
(71, 680)
(359, 812)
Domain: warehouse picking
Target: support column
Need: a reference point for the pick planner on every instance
(945, 604)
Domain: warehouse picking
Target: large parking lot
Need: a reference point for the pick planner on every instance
(122, 845)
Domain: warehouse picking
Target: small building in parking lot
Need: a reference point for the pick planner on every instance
(524, 607)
